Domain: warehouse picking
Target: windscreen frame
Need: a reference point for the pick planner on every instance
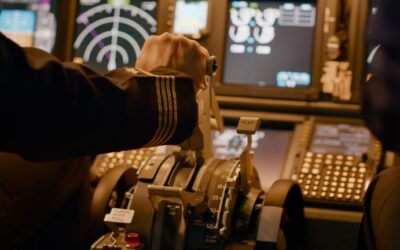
(217, 46)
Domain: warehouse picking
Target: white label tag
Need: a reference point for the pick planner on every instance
(118, 215)
(270, 221)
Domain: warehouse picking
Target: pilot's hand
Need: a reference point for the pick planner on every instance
(175, 52)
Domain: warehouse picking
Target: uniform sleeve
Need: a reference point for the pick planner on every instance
(51, 110)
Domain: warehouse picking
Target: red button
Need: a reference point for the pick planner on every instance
(133, 240)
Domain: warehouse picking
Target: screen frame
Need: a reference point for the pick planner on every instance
(217, 44)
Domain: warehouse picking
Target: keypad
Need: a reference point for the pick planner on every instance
(332, 177)
(132, 158)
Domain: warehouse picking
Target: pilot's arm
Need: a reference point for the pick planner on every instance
(51, 110)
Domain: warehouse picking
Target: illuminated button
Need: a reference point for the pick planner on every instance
(120, 155)
(335, 178)
(341, 190)
(339, 196)
(338, 162)
(352, 174)
(336, 173)
(319, 155)
(323, 194)
(361, 175)
(315, 171)
(318, 177)
(305, 170)
(352, 180)
(350, 185)
(317, 165)
(326, 183)
(357, 191)
(357, 197)
(300, 181)
(348, 196)
(307, 161)
(331, 195)
(129, 162)
(337, 168)
(309, 154)
(313, 193)
(334, 184)
(329, 156)
(316, 183)
(328, 162)
(294, 177)
(306, 187)
(354, 169)
(345, 174)
(318, 161)
(111, 165)
(342, 184)
(301, 176)
(309, 176)
(315, 188)
(349, 163)
(349, 191)
(360, 180)
(332, 189)
(362, 170)
(327, 177)
(350, 157)
(330, 167)
(359, 186)
(305, 192)
(328, 172)
(346, 168)
(110, 155)
(343, 179)
(339, 157)
(362, 164)
(308, 182)
(324, 189)
(114, 160)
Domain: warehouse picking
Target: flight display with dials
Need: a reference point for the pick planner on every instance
(110, 33)
(270, 43)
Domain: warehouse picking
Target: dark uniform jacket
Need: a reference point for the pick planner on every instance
(54, 110)
(51, 110)
(381, 110)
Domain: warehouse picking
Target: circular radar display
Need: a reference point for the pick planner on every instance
(110, 33)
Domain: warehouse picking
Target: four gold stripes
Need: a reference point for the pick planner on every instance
(167, 110)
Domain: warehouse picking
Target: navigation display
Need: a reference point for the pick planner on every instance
(345, 139)
(110, 33)
(270, 148)
(30, 23)
(190, 16)
(270, 43)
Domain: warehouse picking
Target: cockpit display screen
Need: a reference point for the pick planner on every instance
(270, 43)
(343, 138)
(111, 33)
(190, 16)
(270, 148)
(30, 23)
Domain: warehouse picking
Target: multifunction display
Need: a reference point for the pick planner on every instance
(270, 43)
(110, 33)
(270, 148)
(190, 16)
(30, 23)
(343, 139)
